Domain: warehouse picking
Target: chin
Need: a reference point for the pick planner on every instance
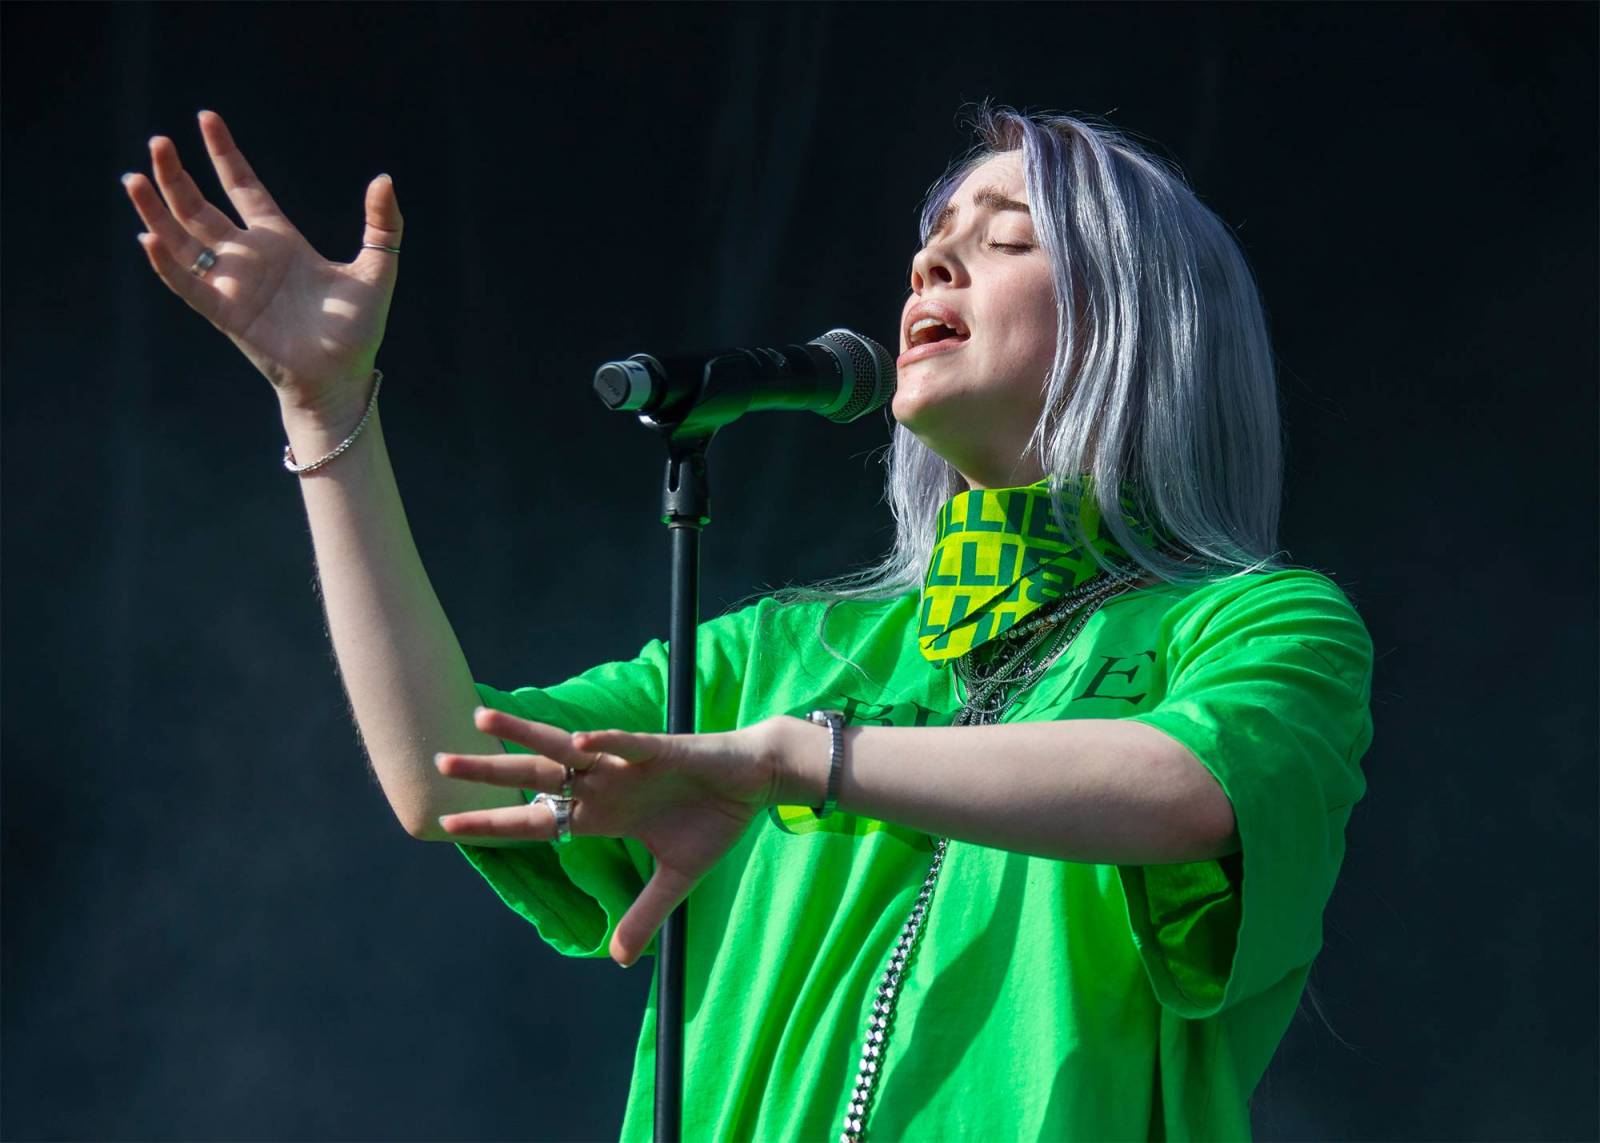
(920, 400)
(936, 423)
(910, 410)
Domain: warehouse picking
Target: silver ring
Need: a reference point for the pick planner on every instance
(375, 246)
(562, 809)
(207, 259)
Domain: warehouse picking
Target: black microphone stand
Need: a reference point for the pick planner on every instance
(687, 423)
(685, 510)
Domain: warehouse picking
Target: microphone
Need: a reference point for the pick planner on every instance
(840, 375)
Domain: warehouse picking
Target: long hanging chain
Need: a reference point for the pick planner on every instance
(994, 675)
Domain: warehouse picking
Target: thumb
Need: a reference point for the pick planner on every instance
(384, 228)
(665, 892)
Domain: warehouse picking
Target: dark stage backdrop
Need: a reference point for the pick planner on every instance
(214, 927)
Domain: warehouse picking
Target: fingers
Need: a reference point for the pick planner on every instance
(199, 293)
(535, 821)
(540, 737)
(178, 242)
(238, 179)
(649, 911)
(639, 748)
(188, 206)
(516, 771)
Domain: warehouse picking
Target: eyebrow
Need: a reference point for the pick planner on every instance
(989, 196)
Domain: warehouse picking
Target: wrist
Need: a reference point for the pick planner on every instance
(798, 761)
(336, 410)
(323, 431)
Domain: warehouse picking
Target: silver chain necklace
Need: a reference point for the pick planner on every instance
(994, 675)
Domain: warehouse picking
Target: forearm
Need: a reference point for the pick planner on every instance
(403, 669)
(1103, 791)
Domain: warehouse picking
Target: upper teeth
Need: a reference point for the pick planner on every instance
(926, 323)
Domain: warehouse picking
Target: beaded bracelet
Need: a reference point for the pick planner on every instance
(288, 450)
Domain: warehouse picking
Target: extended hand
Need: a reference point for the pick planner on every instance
(688, 798)
(310, 325)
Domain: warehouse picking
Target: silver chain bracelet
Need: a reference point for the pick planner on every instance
(288, 450)
(992, 687)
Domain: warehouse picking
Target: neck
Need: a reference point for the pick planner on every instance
(1024, 471)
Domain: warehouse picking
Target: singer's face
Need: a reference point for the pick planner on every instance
(975, 399)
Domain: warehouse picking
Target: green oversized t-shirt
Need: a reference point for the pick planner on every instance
(1047, 999)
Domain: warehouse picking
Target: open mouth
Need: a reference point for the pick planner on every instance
(927, 331)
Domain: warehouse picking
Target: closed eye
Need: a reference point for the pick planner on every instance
(1011, 245)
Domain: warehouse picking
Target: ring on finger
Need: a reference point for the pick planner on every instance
(561, 808)
(206, 260)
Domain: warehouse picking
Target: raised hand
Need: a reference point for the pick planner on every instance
(311, 326)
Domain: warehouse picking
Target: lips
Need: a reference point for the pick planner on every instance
(936, 311)
(918, 352)
(919, 327)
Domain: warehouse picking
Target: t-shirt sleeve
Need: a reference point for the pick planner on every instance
(574, 895)
(1270, 687)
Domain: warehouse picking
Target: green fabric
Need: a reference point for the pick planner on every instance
(998, 556)
(1048, 1000)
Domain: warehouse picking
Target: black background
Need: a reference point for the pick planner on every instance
(214, 927)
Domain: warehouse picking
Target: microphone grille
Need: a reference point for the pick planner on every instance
(869, 373)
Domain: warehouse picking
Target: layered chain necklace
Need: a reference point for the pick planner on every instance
(994, 675)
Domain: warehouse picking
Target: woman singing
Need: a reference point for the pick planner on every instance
(1024, 833)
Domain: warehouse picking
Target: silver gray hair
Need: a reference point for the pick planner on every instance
(1175, 399)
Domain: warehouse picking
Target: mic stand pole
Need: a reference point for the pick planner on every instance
(685, 510)
(687, 423)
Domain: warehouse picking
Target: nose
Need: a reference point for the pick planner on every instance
(934, 265)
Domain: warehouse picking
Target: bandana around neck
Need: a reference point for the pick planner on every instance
(998, 557)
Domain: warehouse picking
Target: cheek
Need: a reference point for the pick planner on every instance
(1031, 330)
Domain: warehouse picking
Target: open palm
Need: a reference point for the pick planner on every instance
(688, 798)
(311, 326)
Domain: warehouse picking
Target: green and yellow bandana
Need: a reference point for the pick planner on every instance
(998, 556)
